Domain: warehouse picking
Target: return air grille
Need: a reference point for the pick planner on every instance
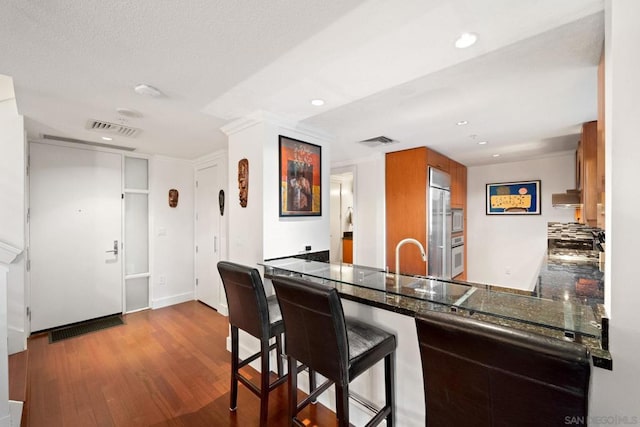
(112, 128)
(377, 141)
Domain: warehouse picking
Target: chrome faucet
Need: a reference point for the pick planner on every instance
(402, 242)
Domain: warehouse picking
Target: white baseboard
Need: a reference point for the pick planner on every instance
(172, 300)
(15, 412)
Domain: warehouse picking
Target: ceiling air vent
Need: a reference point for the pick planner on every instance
(377, 141)
(112, 128)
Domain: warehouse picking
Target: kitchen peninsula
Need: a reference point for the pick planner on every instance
(392, 301)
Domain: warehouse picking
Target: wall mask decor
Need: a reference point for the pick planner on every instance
(221, 201)
(173, 198)
(243, 181)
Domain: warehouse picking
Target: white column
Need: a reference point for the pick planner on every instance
(614, 395)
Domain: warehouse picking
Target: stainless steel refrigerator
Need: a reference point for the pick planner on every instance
(439, 224)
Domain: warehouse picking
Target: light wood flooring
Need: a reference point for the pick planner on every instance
(165, 367)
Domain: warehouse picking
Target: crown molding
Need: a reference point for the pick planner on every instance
(8, 253)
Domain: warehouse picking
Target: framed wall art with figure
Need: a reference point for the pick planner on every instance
(300, 178)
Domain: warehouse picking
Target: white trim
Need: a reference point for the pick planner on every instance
(8, 253)
(258, 117)
(211, 157)
(172, 300)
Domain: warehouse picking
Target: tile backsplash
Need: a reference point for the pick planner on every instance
(570, 231)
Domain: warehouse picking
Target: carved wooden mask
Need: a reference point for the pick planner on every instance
(243, 181)
(173, 198)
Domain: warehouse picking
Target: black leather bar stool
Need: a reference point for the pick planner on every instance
(481, 374)
(255, 313)
(318, 335)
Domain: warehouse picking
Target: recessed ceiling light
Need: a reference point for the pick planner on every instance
(128, 112)
(496, 155)
(482, 142)
(106, 138)
(147, 90)
(317, 102)
(465, 40)
(462, 123)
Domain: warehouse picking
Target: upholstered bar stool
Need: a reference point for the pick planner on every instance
(481, 374)
(318, 335)
(255, 313)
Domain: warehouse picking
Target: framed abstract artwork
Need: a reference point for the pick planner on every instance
(513, 198)
(300, 184)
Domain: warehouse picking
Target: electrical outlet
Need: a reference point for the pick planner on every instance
(162, 280)
(307, 248)
(507, 271)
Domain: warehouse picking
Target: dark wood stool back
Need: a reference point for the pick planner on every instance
(482, 374)
(318, 335)
(255, 313)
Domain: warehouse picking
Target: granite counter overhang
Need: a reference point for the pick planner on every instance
(411, 307)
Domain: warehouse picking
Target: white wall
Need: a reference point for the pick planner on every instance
(12, 236)
(508, 250)
(615, 394)
(369, 219)
(257, 232)
(12, 178)
(172, 255)
(286, 236)
(245, 224)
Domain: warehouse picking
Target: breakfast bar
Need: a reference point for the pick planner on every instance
(392, 301)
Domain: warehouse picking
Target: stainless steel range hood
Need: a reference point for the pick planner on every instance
(570, 199)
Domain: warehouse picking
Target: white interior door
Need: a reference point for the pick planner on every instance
(75, 218)
(208, 242)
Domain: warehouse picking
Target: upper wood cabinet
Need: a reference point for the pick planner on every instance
(437, 160)
(586, 168)
(600, 168)
(458, 174)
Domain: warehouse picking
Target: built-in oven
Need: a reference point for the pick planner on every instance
(457, 220)
(457, 255)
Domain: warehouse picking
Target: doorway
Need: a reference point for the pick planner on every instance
(342, 216)
(75, 222)
(208, 230)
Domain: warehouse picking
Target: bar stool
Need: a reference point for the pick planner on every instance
(255, 313)
(318, 335)
(481, 374)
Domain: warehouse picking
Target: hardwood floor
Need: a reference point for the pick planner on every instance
(165, 367)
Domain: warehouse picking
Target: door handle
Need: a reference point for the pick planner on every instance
(115, 248)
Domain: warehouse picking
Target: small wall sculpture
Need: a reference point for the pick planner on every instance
(173, 198)
(243, 181)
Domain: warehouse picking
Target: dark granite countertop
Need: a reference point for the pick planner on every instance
(571, 275)
(531, 311)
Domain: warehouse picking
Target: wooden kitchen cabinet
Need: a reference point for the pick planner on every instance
(458, 174)
(437, 160)
(406, 183)
(347, 250)
(406, 187)
(587, 173)
(600, 153)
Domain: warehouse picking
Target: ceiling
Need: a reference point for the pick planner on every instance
(525, 87)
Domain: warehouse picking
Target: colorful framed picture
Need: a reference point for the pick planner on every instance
(300, 184)
(513, 198)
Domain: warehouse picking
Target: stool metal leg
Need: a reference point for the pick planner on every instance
(293, 391)
(264, 380)
(279, 353)
(389, 386)
(342, 404)
(233, 404)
